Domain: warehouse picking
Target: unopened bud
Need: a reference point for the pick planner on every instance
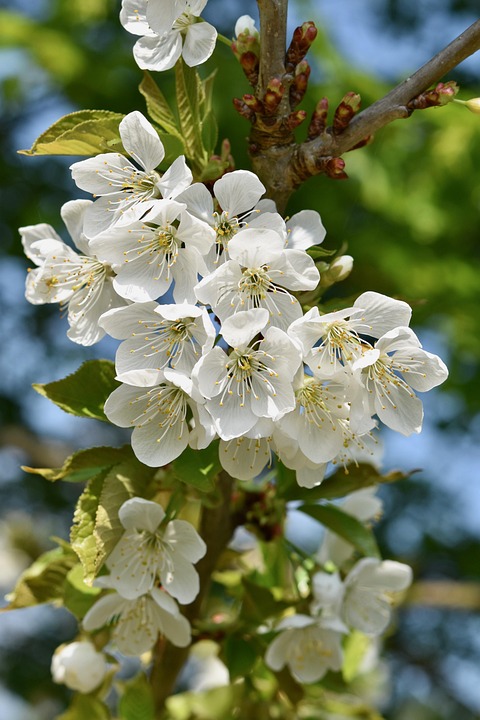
(334, 168)
(318, 122)
(294, 119)
(273, 95)
(442, 94)
(250, 66)
(473, 104)
(253, 102)
(247, 37)
(299, 85)
(242, 108)
(338, 270)
(302, 39)
(348, 107)
(79, 666)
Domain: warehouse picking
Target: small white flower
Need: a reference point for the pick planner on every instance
(246, 24)
(254, 381)
(368, 593)
(150, 549)
(389, 373)
(79, 282)
(159, 404)
(307, 647)
(169, 29)
(138, 622)
(159, 336)
(332, 342)
(79, 666)
(259, 274)
(126, 193)
(319, 422)
(232, 207)
(151, 255)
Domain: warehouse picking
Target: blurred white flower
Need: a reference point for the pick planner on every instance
(79, 666)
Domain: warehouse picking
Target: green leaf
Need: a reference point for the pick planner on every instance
(317, 251)
(209, 132)
(85, 391)
(259, 603)
(158, 107)
(136, 702)
(198, 468)
(78, 596)
(44, 580)
(347, 526)
(189, 95)
(340, 483)
(240, 656)
(96, 528)
(356, 645)
(82, 532)
(85, 707)
(84, 464)
(86, 132)
(213, 169)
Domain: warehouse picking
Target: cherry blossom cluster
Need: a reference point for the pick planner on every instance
(200, 289)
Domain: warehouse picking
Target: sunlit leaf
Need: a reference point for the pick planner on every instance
(198, 468)
(158, 107)
(85, 391)
(44, 580)
(78, 597)
(86, 132)
(84, 464)
(85, 707)
(136, 702)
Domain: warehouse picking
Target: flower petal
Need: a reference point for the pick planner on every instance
(141, 141)
(199, 43)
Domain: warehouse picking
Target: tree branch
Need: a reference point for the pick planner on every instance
(273, 31)
(294, 163)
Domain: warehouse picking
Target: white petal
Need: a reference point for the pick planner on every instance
(103, 611)
(140, 514)
(239, 329)
(158, 52)
(73, 215)
(238, 191)
(162, 14)
(157, 446)
(181, 580)
(176, 179)
(199, 202)
(141, 141)
(185, 539)
(382, 313)
(199, 43)
(32, 234)
(133, 17)
(176, 628)
(305, 229)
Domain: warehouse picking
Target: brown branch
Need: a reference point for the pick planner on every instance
(216, 529)
(283, 165)
(273, 30)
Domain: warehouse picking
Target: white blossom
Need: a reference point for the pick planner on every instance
(368, 593)
(169, 29)
(308, 647)
(124, 192)
(332, 342)
(159, 405)
(79, 666)
(149, 256)
(138, 622)
(149, 550)
(158, 336)
(254, 380)
(388, 374)
(259, 274)
(80, 283)
(246, 24)
(233, 206)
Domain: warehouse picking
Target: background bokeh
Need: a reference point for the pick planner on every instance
(410, 216)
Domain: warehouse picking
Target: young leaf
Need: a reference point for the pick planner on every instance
(188, 89)
(85, 706)
(136, 703)
(209, 132)
(347, 526)
(82, 532)
(86, 132)
(157, 106)
(78, 597)
(85, 391)
(84, 464)
(44, 580)
(198, 468)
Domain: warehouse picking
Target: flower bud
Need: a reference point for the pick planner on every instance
(318, 122)
(303, 37)
(338, 270)
(247, 37)
(473, 105)
(78, 666)
(348, 107)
